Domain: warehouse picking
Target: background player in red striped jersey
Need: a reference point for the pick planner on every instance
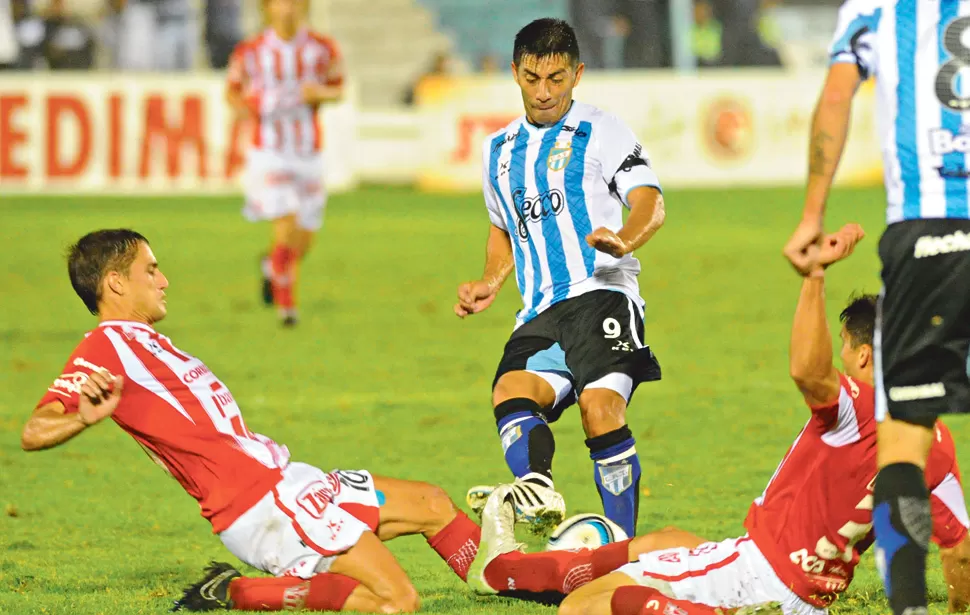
(279, 79)
(319, 533)
(805, 532)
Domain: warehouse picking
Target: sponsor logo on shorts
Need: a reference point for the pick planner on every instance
(930, 245)
(335, 527)
(920, 391)
(616, 478)
(315, 497)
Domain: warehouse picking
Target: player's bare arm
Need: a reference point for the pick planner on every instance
(50, 426)
(473, 297)
(647, 215)
(320, 93)
(810, 354)
(956, 573)
(830, 127)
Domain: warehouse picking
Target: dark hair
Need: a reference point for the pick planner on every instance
(859, 318)
(546, 37)
(97, 254)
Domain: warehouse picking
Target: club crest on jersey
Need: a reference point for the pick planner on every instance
(559, 156)
(616, 478)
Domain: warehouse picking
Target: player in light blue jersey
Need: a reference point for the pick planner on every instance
(919, 52)
(555, 182)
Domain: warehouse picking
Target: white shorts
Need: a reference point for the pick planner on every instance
(309, 518)
(727, 574)
(278, 185)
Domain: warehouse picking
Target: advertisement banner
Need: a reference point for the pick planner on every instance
(172, 134)
(718, 129)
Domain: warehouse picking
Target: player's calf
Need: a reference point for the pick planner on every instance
(616, 465)
(420, 508)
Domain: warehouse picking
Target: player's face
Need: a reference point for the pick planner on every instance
(284, 14)
(856, 358)
(547, 86)
(146, 286)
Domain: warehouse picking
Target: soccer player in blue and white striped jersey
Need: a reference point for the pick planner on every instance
(555, 182)
(919, 52)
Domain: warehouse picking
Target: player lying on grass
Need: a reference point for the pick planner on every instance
(319, 533)
(805, 532)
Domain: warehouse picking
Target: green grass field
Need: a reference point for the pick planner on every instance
(381, 375)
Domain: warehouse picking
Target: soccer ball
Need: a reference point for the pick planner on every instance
(585, 531)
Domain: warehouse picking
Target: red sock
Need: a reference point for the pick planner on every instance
(558, 571)
(636, 600)
(323, 592)
(281, 259)
(457, 544)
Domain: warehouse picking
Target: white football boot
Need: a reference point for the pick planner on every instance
(537, 503)
(498, 537)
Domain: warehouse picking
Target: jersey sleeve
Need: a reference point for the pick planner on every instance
(846, 418)
(625, 164)
(236, 73)
(94, 353)
(947, 503)
(854, 41)
(330, 68)
(488, 190)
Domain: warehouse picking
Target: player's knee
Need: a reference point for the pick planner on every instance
(439, 504)
(602, 411)
(654, 541)
(404, 600)
(523, 385)
(574, 604)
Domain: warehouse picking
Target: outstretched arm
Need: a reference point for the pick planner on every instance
(830, 127)
(810, 354)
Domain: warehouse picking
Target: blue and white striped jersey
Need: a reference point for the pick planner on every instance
(549, 187)
(919, 53)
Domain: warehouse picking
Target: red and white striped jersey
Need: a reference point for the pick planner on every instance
(181, 414)
(270, 72)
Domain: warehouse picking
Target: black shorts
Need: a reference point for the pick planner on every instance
(583, 339)
(923, 330)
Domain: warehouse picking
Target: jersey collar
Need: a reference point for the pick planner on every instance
(537, 128)
(298, 39)
(126, 323)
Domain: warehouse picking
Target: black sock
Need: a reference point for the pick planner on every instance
(903, 524)
(526, 438)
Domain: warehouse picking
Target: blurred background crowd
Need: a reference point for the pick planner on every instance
(393, 48)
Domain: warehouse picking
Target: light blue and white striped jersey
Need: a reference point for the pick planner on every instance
(549, 187)
(919, 53)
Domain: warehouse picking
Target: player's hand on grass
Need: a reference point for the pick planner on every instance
(606, 241)
(473, 297)
(99, 397)
(840, 244)
(802, 249)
